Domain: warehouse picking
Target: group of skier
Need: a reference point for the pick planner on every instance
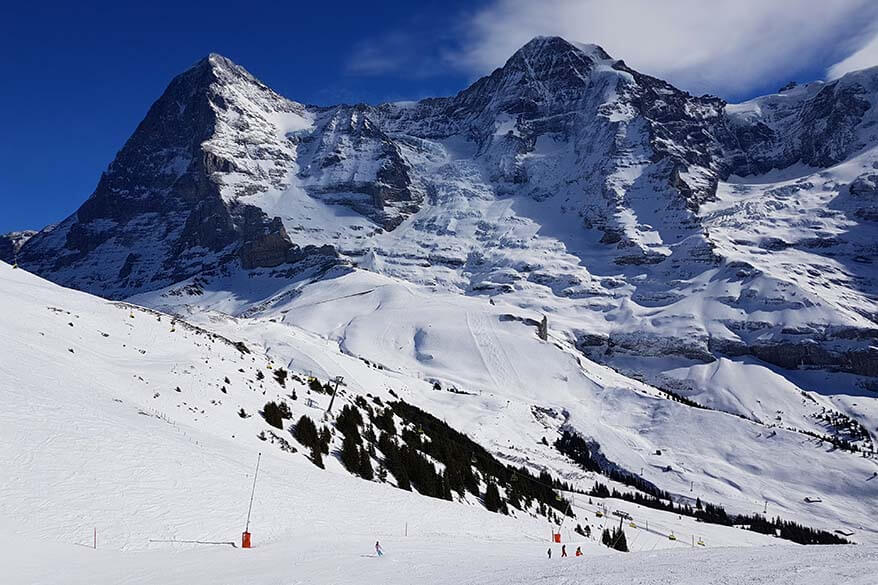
(564, 551)
(380, 551)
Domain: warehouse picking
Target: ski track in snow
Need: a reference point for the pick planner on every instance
(427, 562)
(496, 362)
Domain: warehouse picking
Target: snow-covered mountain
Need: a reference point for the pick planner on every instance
(563, 174)
(705, 269)
(160, 213)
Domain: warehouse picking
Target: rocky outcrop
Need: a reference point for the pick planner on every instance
(348, 160)
(812, 352)
(10, 244)
(266, 244)
(601, 348)
(864, 197)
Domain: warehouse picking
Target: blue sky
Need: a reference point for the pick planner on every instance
(78, 78)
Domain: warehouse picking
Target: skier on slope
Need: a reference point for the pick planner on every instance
(549, 552)
(579, 551)
(378, 550)
(563, 550)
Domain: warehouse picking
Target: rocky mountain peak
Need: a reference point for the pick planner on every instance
(215, 60)
(547, 66)
(216, 67)
(543, 58)
(219, 83)
(547, 76)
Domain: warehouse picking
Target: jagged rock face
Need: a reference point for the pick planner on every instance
(159, 214)
(11, 243)
(864, 197)
(684, 129)
(819, 124)
(348, 160)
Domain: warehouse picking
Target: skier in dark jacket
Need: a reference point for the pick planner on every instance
(563, 550)
(549, 552)
(378, 550)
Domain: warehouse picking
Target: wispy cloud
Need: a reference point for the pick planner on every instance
(719, 46)
(381, 55)
(865, 56)
(727, 47)
(415, 52)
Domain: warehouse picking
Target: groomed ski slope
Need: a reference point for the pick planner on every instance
(87, 446)
(433, 562)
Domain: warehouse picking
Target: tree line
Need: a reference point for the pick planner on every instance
(422, 452)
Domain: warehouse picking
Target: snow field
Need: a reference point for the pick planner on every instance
(420, 335)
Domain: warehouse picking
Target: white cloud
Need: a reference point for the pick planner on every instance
(382, 55)
(411, 52)
(726, 47)
(866, 56)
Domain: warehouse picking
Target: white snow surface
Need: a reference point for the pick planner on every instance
(95, 437)
(436, 562)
